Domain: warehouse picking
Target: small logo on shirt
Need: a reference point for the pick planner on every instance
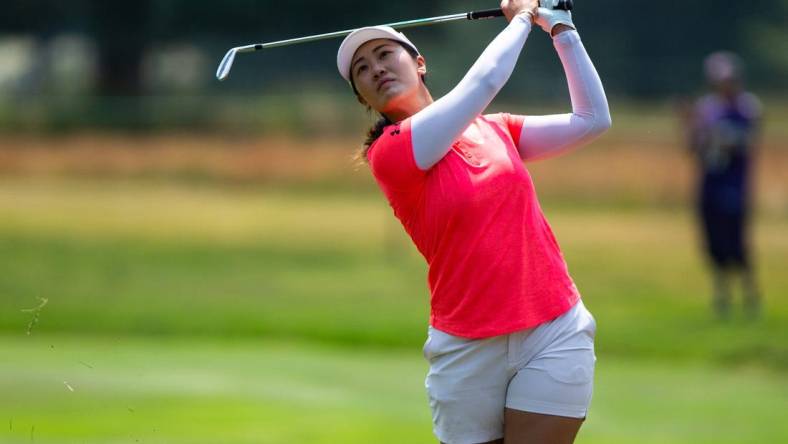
(395, 132)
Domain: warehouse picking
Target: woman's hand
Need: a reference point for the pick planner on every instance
(554, 21)
(511, 8)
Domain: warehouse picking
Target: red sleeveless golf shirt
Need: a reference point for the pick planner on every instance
(494, 264)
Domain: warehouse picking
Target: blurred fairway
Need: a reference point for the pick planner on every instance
(168, 259)
(205, 312)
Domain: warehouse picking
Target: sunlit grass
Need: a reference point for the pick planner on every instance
(260, 291)
(258, 391)
(146, 258)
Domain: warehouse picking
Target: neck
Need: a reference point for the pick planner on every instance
(728, 96)
(411, 106)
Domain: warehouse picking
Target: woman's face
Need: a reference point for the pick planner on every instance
(386, 75)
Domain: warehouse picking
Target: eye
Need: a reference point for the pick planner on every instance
(383, 54)
(361, 69)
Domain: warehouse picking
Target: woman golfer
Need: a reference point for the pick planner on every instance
(510, 344)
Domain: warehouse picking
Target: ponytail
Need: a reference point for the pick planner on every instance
(373, 133)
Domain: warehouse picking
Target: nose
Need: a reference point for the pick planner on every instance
(377, 69)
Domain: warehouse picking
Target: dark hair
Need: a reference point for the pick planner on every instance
(377, 129)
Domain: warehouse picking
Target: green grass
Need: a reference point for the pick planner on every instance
(172, 260)
(186, 314)
(247, 391)
(201, 391)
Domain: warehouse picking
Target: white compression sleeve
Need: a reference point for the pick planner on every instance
(548, 136)
(437, 126)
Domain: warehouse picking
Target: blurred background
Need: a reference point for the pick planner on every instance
(184, 260)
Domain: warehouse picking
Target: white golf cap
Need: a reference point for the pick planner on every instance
(358, 37)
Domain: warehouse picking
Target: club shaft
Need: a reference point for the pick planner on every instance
(224, 67)
(398, 25)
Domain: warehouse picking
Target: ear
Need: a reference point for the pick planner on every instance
(421, 65)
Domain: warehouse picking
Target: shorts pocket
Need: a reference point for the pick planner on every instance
(593, 323)
(586, 320)
(440, 344)
(425, 350)
(579, 371)
(578, 368)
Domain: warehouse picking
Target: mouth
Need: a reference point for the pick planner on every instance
(384, 82)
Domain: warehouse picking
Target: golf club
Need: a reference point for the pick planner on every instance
(227, 62)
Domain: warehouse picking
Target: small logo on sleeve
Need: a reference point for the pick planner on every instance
(396, 131)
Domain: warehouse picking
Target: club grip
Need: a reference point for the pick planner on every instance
(566, 5)
(485, 14)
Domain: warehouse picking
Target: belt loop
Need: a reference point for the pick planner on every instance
(511, 352)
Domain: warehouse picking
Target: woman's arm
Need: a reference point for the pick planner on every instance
(549, 136)
(437, 126)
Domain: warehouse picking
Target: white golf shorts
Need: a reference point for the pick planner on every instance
(548, 369)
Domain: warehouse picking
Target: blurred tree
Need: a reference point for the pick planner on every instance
(121, 31)
(766, 45)
(644, 50)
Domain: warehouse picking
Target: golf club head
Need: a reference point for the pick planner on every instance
(227, 63)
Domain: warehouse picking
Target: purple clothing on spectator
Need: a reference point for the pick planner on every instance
(723, 139)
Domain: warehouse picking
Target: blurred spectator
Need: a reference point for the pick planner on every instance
(722, 131)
